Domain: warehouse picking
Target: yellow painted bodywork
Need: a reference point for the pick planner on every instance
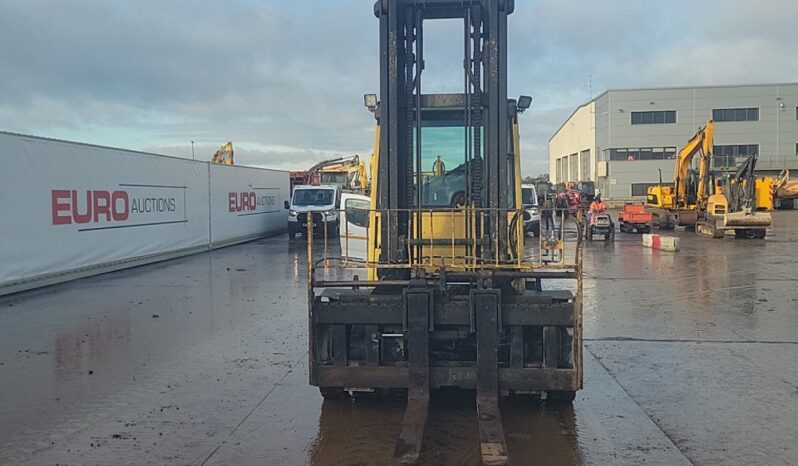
(765, 193)
(443, 225)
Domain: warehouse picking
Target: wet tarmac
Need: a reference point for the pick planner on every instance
(690, 359)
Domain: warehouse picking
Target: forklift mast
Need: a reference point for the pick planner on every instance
(482, 108)
(454, 295)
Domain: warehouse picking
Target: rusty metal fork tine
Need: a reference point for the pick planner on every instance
(408, 447)
(417, 308)
(492, 443)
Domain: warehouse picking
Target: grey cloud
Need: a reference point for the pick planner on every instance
(284, 80)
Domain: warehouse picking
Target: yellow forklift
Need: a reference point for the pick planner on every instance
(433, 285)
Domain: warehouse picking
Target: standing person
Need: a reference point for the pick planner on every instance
(438, 167)
(548, 214)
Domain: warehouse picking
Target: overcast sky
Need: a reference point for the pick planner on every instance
(284, 80)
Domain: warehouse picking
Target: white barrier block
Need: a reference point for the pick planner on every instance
(661, 242)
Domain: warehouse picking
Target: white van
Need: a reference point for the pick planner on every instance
(529, 201)
(317, 202)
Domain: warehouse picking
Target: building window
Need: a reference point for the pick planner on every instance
(727, 156)
(558, 170)
(584, 161)
(641, 189)
(735, 114)
(642, 153)
(573, 168)
(654, 117)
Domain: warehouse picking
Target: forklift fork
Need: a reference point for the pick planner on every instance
(418, 312)
(485, 305)
(485, 311)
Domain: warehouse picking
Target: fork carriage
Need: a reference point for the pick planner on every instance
(499, 327)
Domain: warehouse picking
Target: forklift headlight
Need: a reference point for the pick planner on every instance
(292, 213)
(524, 102)
(370, 101)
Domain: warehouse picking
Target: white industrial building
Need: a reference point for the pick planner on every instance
(623, 138)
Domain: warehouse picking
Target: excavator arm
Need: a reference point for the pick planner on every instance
(700, 144)
(223, 156)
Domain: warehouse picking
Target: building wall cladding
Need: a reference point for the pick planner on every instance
(774, 133)
(577, 137)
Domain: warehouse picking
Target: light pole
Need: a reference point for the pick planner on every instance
(192, 150)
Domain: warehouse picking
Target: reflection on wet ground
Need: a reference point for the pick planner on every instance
(202, 360)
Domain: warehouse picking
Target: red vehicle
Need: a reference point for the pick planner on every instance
(634, 218)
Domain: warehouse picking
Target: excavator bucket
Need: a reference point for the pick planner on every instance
(747, 220)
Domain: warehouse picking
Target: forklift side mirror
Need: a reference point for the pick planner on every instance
(286, 205)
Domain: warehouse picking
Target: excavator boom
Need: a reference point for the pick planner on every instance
(223, 156)
(701, 143)
(688, 194)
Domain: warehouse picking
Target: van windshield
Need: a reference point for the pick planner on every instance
(528, 197)
(306, 197)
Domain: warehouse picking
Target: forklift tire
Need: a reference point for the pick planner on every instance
(606, 236)
(291, 234)
(561, 397)
(760, 233)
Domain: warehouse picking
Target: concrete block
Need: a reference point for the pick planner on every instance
(661, 242)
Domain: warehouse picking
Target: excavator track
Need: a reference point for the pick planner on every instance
(709, 229)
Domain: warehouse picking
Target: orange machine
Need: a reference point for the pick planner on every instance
(634, 218)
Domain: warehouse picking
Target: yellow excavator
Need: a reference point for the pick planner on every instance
(347, 172)
(733, 206)
(681, 202)
(784, 188)
(703, 200)
(223, 156)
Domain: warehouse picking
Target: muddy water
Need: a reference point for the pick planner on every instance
(364, 432)
(689, 359)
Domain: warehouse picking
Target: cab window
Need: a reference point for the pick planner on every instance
(357, 212)
(443, 168)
